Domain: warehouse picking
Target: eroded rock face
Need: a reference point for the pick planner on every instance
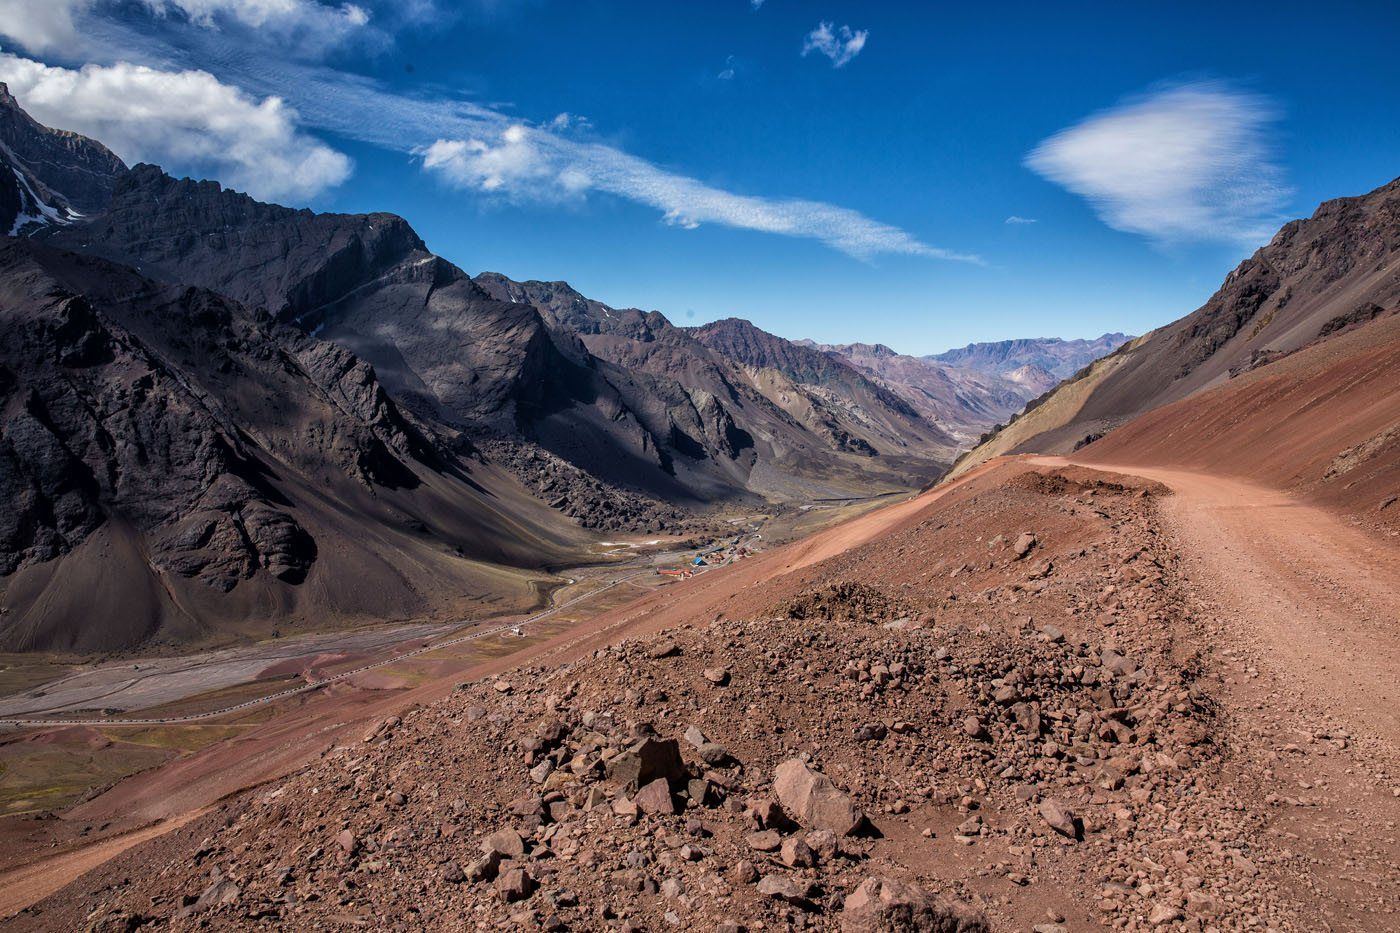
(167, 412)
(81, 171)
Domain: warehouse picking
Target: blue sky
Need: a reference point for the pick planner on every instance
(844, 171)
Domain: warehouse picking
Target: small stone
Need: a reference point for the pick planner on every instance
(712, 753)
(484, 868)
(515, 885)
(766, 840)
(1163, 913)
(888, 904)
(782, 888)
(716, 675)
(743, 872)
(795, 853)
(506, 842)
(1059, 817)
(813, 800)
(646, 761)
(664, 649)
(655, 798)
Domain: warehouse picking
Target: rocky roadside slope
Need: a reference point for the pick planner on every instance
(1007, 714)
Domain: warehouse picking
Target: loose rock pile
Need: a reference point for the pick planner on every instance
(998, 754)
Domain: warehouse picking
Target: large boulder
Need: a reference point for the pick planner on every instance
(812, 800)
(885, 905)
(649, 760)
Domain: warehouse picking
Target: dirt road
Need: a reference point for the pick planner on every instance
(1318, 598)
(34, 881)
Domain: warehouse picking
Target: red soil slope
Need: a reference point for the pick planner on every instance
(1323, 422)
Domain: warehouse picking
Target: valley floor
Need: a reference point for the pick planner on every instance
(1064, 697)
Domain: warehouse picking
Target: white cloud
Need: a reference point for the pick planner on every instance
(1184, 162)
(470, 150)
(839, 45)
(674, 218)
(42, 25)
(186, 120)
(260, 13)
(512, 165)
(530, 163)
(728, 73)
(570, 123)
(756, 4)
(1014, 220)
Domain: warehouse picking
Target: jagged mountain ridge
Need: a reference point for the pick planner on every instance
(987, 388)
(794, 421)
(1060, 357)
(48, 176)
(455, 352)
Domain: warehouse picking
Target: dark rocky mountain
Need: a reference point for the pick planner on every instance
(1057, 356)
(223, 415)
(546, 370)
(48, 176)
(796, 434)
(1316, 278)
(195, 465)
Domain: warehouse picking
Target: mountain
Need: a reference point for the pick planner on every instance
(790, 434)
(968, 392)
(1317, 277)
(1061, 358)
(196, 468)
(225, 415)
(483, 361)
(48, 176)
(827, 394)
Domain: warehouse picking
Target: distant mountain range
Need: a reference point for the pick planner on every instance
(970, 390)
(221, 413)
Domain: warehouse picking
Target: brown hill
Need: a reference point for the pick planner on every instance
(1316, 276)
(1323, 422)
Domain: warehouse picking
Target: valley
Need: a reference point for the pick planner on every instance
(342, 588)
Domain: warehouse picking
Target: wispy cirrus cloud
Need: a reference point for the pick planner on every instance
(1016, 220)
(527, 163)
(1188, 161)
(478, 148)
(308, 27)
(839, 45)
(188, 118)
(467, 145)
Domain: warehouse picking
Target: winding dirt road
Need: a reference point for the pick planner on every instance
(1317, 597)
